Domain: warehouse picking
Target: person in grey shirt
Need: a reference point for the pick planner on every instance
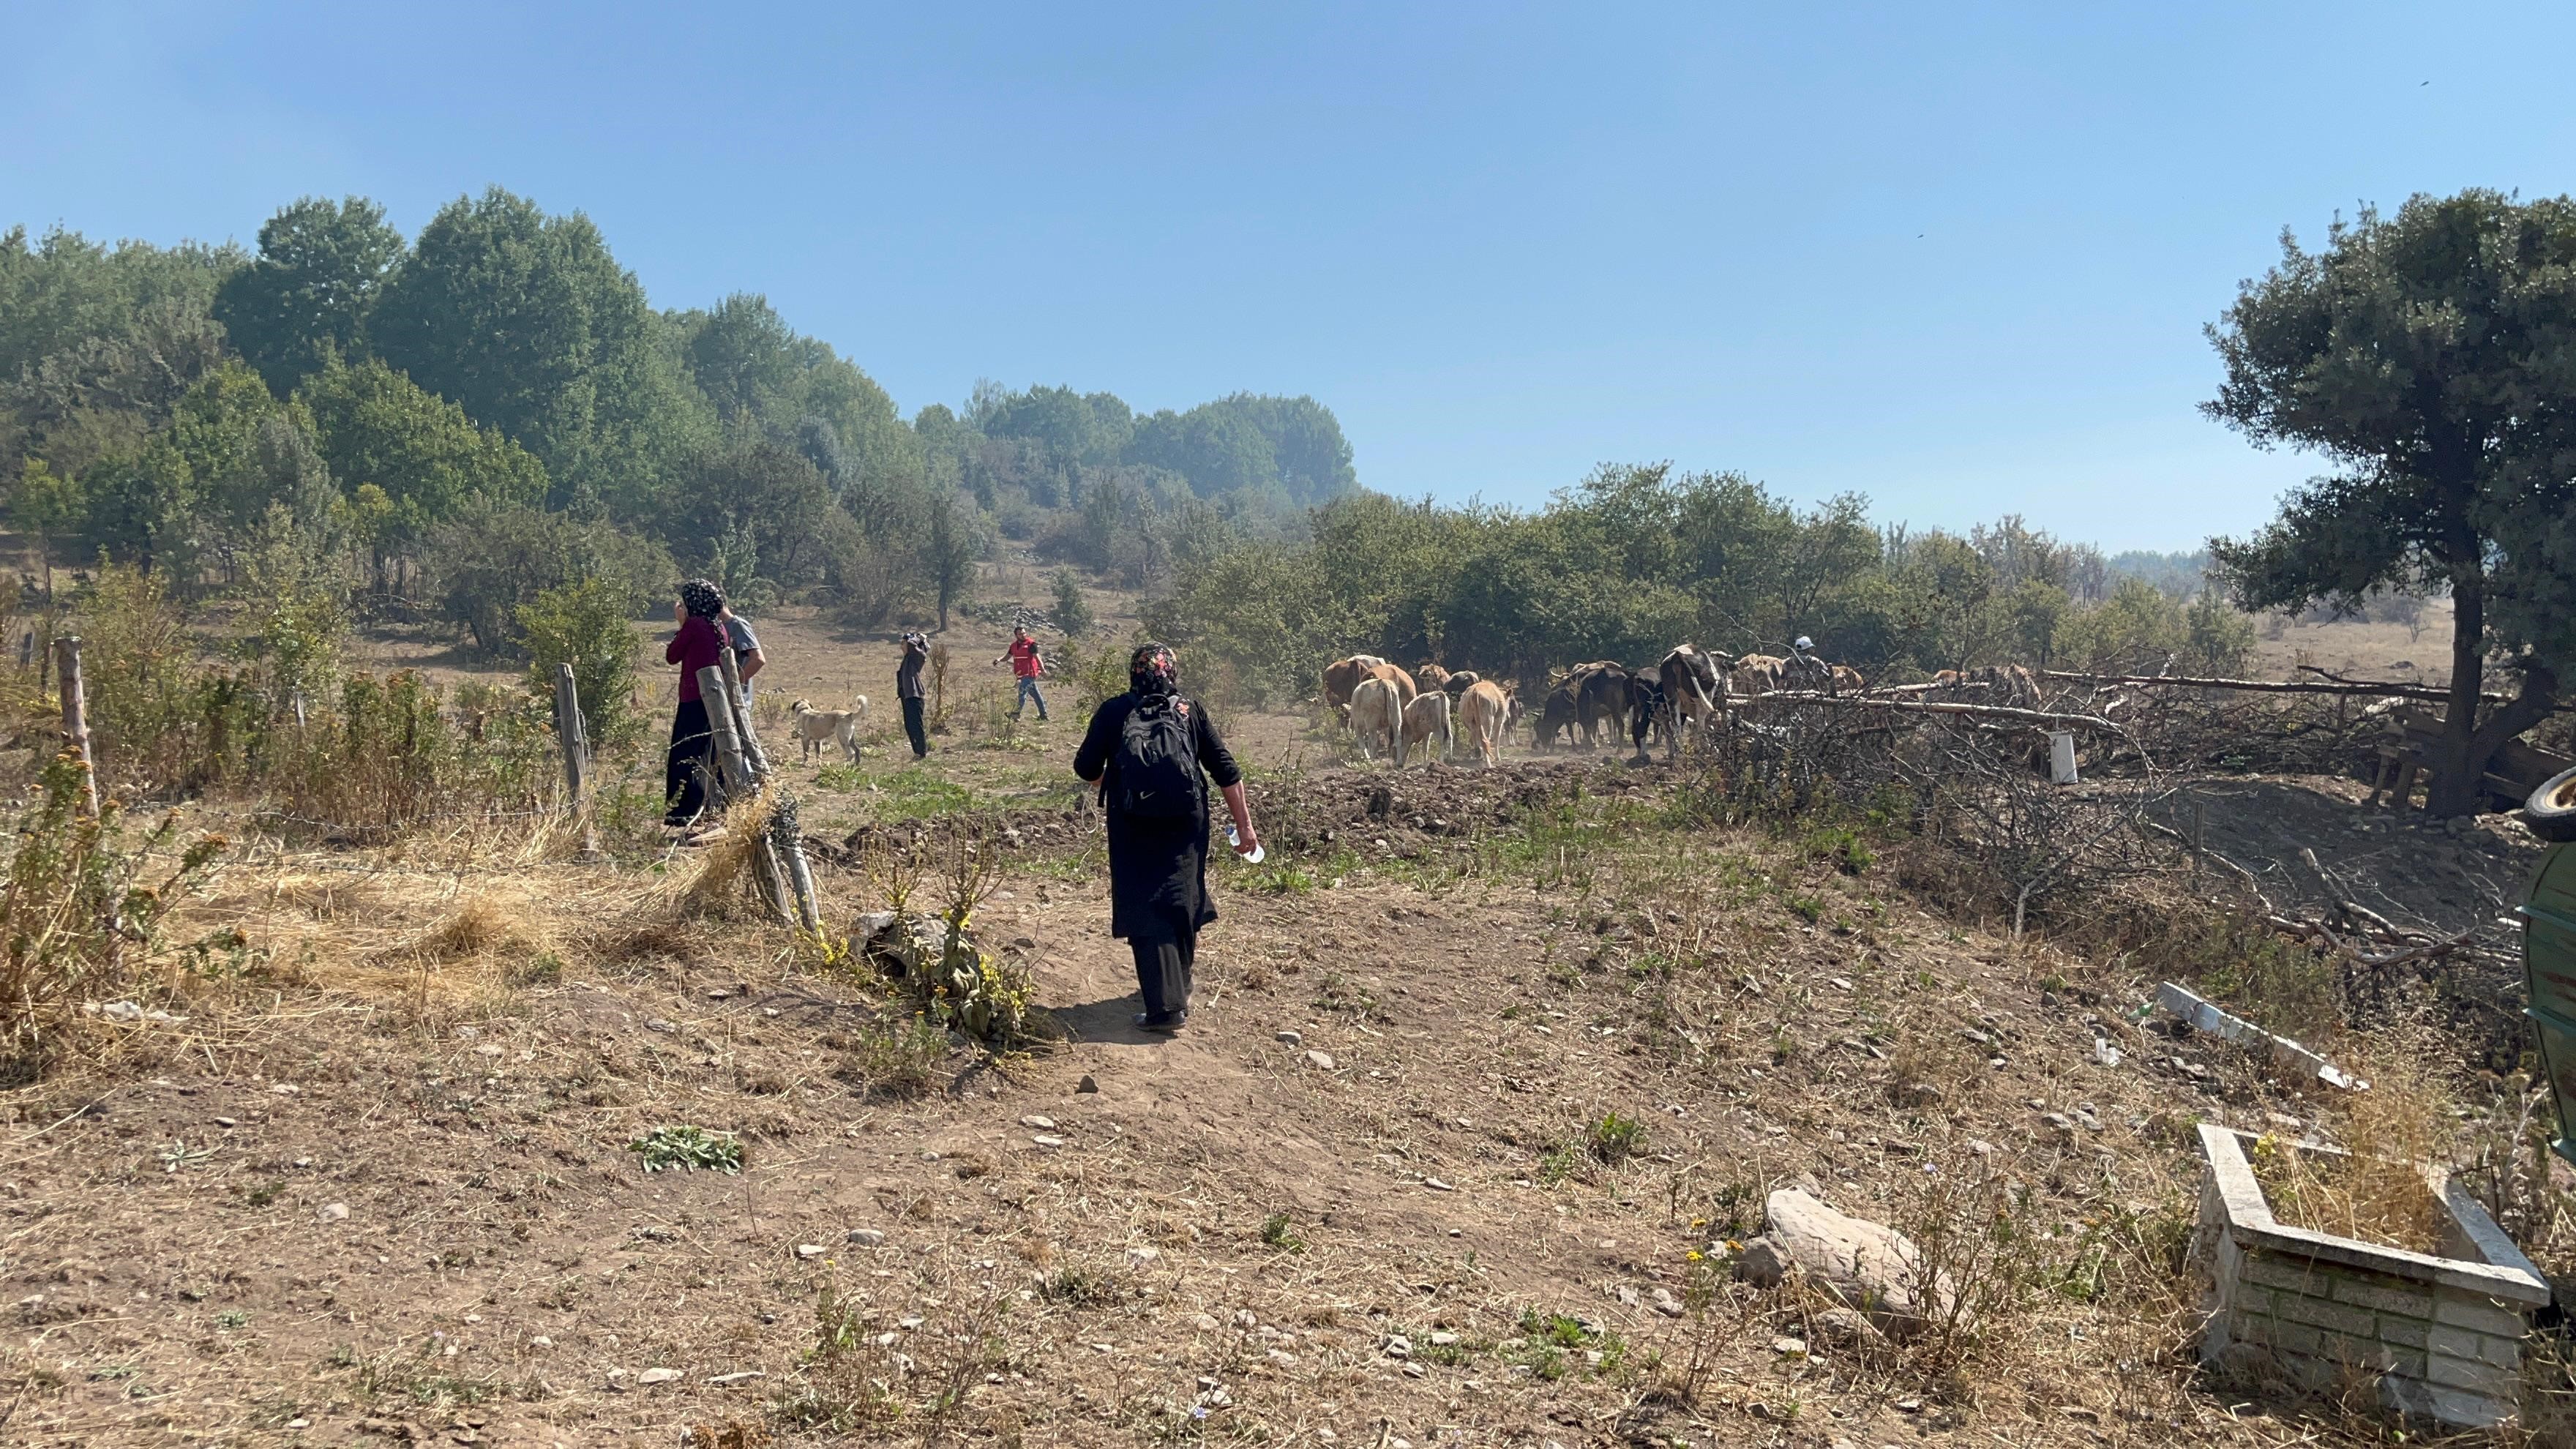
(747, 657)
(907, 688)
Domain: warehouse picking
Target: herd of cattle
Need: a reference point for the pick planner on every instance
(1398, 713)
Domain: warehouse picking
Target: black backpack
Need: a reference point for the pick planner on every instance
(1158, 760)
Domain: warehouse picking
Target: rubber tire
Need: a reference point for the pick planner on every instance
(2551, 810)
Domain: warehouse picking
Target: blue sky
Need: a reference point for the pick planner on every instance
(1955, 257)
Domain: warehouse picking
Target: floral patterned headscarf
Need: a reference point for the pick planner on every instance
(1153, 670)
(702, 598)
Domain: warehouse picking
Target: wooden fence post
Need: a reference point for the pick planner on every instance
(741, 784)
(573, 734)
(736, 770)
(740, 708)
(76, 712)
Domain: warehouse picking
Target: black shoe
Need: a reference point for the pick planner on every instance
(1166, 1024)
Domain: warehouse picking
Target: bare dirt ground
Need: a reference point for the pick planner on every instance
(377, 1185)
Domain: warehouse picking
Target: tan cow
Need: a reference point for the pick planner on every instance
(1756, 673)
(1430, 675)
(1426, 719)
(1484, 711)
(1377, 718)
(1402, 681)
(1343, 675)
(1845, 677)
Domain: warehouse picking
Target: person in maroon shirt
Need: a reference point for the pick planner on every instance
(698, 645)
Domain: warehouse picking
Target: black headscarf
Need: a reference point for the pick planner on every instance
(1153, 670)
(702, 598)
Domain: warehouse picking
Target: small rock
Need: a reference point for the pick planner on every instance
(2058, 1120)
(866, 1238)
(657, 1376)
(1290, 1038)
(287, 1089)
(1246, 1318)
(1281, 1357)
(1322, 1061)
(1444, 1340)
(1204, 1323)
(333, 1212)
(1414, 1370)
(744, 1377)
(226, 1122)
(1087, 1085)
(809, 1250)
(1044, 1140)
(1789, 1347)
(1981, 1147)
(660, 1023)
(1665, 1303)
(541, 1341)
(1138, 1257)
(2105, 1053)
(1043, 1124)
(1922, 1094)
(1843, 1328)
(1436, 1185)
(1399, 1346)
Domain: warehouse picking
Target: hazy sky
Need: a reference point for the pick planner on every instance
(1956, 257)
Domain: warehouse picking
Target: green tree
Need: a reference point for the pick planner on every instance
(528, 323)
(761, 509)
(2426, 358)
(1072, 612)
(47, 505)
(584, 623)
(952, 543)
(492, 558)
(376, 428)
(320, 267)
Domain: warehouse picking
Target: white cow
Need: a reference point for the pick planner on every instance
(1377, 717)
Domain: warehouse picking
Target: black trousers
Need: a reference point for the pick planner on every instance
(684, 789)
(1163, 973)
(912, 726)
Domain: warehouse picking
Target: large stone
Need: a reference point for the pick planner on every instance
(1869, 1266)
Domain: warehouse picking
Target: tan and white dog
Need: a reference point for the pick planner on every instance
(816, 728)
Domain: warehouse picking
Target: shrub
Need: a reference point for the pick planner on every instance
(76, 917)
(1072, 612)
(584, 624)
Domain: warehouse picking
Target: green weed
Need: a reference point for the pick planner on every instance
(1615, 1139)
(682, 1148)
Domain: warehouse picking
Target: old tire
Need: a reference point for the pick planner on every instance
(2551, 810)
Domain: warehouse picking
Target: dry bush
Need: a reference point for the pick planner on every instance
(78, 918)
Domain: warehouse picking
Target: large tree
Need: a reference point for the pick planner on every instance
(2430, 359)
(528, 323)
(320, 266)
(375, 427)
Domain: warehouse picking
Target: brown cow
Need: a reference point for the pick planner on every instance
(1604, 694)
(1484, 711)
(1377, 718)
(1845, 677)
(1430, 675)
(1343, 675)
(1756, 673)
(1426, 719)
(1403, 682)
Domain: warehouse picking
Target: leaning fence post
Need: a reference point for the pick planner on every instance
(737, 772)
(740, 708)
(76, 712)
(787, 837)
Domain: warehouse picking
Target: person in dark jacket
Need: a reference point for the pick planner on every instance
(698, 644)
(907, 688)
(1158, 895)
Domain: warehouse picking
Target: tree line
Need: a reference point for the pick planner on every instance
(469, 418)
(1638, 558)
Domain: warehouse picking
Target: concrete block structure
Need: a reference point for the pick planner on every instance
(2442, 1336)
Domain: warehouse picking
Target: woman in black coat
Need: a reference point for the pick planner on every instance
(1158, 895)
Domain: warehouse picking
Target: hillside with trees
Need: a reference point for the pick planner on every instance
(466, 418)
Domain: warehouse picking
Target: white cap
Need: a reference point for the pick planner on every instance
(1804, 644)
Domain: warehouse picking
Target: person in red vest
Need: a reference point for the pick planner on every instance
(1027, 667)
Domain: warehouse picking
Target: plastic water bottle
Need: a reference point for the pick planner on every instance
(1234, 841)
